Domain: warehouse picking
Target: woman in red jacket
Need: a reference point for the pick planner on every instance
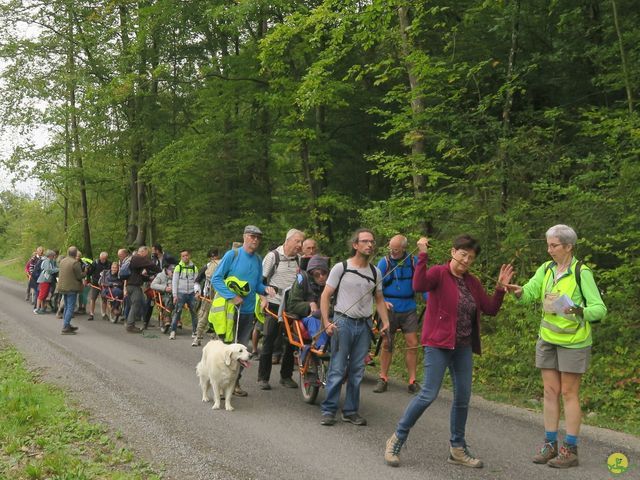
(450, 334)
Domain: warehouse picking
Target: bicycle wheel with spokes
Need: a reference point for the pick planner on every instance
(310, 380)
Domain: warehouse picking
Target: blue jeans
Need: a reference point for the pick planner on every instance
(436, 361)
(69, 306)
(190, 300)
(349, 345)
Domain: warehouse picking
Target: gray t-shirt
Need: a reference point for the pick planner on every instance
(355, 297)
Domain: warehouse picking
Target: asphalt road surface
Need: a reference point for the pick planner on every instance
(145, 387)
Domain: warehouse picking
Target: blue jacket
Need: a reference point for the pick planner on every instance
(397, 288)
(247, 267)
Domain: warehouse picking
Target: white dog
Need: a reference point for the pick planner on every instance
(219, 368)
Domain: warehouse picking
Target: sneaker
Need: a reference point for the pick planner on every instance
(68, 331)
(105, 316)
(288, 382)
(194, 335)
(392, 450)
(196, 342)
(133, 329)
(355, 419)
(264, 385)
(462, 456)
(165, 328)
(381, 386)
(413, 388)
(172, 335)
(328, 419)
(239, 392)
(73, 327)
(548, 451)
(90, 317)
(37, 311)
(567, 457)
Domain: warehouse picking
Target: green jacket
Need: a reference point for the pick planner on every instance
(588, 294)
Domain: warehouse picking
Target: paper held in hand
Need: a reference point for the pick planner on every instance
(557, 304)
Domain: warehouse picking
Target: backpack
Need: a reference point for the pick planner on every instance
(345, 270)
(37, 269)
(387, 281)
(276, 262)
(125, 269)
(576, 273)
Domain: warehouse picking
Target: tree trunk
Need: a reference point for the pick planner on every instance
(503, 154)
(75, 136)
(623, 58)
(417, 104)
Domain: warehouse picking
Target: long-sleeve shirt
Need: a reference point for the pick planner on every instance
(441, 318)
(245, 266)
(137, 265)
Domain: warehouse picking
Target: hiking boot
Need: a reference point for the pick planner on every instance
(172, 335)
(413, 388)
(381, 386)
(73, 327)
(239, 392)
(90, 317)
(133, 329)
(392, 450)
(288, 382)
(462, 456)
(264, 385)
(355, 419)
(68, 331)
(567, 457)
(548, 451)
(196, 342)
(328, 419)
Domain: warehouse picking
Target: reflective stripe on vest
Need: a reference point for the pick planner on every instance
(222, 315)
(554, 328)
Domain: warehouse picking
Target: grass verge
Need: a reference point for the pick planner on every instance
(13, 269)
(41, 437)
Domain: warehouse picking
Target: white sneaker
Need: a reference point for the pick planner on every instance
(194, 335)
(172, 336)
(196, 342)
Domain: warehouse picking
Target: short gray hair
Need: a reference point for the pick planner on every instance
(292, 233)
(72, 252)
(564, 233)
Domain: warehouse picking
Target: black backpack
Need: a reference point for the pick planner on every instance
(345, 270)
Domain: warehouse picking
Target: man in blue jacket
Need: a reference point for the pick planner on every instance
(245, 264)
(400, 300)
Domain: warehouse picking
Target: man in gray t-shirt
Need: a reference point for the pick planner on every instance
(357, 287)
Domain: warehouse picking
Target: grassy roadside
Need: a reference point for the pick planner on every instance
(13, 269)
(42, 437)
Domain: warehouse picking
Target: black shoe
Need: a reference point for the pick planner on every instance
(288, 382)
(73, 327)
(239, 392)
(90, 317)
(133, 329)
(328, 419)
(68, 331)
(264, 385)
(413, 388)
(355, 419)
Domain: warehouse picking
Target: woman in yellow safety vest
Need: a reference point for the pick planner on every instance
(571, 302)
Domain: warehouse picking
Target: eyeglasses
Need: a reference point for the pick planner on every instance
(554, 245)
(371, 242)
(253, 236)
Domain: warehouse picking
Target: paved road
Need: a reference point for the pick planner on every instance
(145, 387)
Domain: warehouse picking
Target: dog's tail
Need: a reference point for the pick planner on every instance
(199, 368)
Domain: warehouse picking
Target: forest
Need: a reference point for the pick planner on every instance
(182, 121)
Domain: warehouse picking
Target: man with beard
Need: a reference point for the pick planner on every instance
(355, 285)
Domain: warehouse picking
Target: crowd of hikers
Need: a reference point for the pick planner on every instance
(237, 298)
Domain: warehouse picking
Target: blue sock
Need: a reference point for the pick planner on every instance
(551, 436)
(571, 440)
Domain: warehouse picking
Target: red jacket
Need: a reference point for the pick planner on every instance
(441, 317)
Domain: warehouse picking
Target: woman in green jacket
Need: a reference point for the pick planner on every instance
(570, 303)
